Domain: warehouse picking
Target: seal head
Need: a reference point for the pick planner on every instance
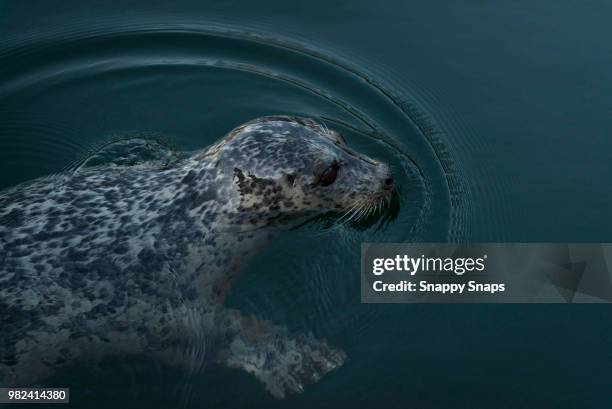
(285, 168)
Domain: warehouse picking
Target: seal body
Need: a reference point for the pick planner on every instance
(121, 260)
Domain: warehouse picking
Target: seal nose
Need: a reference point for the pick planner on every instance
(386, 177)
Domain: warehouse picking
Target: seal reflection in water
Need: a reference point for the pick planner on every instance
(120, 261)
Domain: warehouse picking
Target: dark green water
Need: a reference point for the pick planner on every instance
(495, 116)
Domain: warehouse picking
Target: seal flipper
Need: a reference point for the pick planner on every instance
(283, 362)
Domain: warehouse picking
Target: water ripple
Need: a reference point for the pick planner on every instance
(197, 81)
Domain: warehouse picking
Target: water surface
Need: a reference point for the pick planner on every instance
(494, 116)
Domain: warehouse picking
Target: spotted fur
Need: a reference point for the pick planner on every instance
(122, 260)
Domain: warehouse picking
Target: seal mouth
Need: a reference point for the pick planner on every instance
(372, 206)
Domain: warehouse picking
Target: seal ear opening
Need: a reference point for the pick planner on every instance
(291, 180)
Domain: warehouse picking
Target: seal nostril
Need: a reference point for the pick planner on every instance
(389, 181)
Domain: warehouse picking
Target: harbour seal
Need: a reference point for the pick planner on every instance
(118, 260)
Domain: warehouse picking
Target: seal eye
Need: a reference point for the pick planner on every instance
(329, 175)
